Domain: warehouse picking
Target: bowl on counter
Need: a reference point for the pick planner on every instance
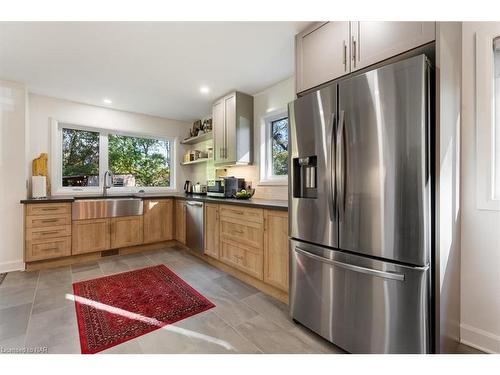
(244, 194)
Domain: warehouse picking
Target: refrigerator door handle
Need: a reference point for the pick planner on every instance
(332, 194)
(351, 267)
(340, 167)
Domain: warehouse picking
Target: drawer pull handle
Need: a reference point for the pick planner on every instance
(51, 249)
(237, 212)
(49, 220)
(49, 232)
(237, 231)
(50, 209)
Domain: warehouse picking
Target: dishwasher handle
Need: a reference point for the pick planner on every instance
(196, 204)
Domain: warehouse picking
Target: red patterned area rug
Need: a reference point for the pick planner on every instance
(117, 308)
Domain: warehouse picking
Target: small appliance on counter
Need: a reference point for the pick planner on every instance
(225, 187)
(188, 187)
(215, 188)
(199, 189)
(232, 185)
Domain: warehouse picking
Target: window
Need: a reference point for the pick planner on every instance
(496, 127)
(82, 156)
(137, 161)
(279, 147)
(274, 152)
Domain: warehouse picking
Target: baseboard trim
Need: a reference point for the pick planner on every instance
(88, 257)
(17, 265)
(479, 339)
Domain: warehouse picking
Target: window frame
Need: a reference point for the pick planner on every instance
(496, 126)
(485, 122)
(56, 164)
(266, 167)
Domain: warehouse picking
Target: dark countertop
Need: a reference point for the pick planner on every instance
(272, 204)
(54, 199)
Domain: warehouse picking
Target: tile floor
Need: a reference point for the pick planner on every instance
(34, 312)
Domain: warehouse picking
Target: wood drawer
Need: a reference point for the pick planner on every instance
(255, 215)
(246, 233)
(46, 249)
(246, 259)
(36, 234)
(47, 221)
(48, 209)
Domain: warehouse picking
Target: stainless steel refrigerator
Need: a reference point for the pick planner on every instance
(360, 210)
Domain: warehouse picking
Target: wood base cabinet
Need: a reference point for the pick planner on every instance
(47, 231)
(180, 221)
(158, 223)
(244, 258)
(211, 230)
(276, 249)
(126, 231)
(90, 236)
(241, 232)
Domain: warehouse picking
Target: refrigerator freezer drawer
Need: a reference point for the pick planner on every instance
(360, 304)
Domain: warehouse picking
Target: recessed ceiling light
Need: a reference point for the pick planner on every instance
(204, 90)
(107, 101)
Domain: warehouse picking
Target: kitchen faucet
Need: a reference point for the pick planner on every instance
(105, 185)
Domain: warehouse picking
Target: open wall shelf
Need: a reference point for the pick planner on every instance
(197, 139)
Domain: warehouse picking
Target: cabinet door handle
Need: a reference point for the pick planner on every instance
(50, 209)
(354, 51)
(345, 56)
(237, 231)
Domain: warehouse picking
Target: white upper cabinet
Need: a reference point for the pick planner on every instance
(322, 54)
(232, 120)
(329, 50)
(372, 42)
(219, 130)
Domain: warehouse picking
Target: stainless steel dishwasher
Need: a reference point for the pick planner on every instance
(194, 225)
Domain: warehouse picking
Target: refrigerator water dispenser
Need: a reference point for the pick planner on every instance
(305, 179)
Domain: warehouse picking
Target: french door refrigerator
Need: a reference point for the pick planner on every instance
(360, 210)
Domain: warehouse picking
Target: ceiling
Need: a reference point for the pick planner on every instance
(155, 68)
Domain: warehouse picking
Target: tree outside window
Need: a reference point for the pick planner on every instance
(80, 158)
(140, 162)
(279, 147)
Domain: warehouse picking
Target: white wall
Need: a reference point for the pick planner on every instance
(271, 99)
(448, 214)
(480, 274)
(12, 174)
(43, 108)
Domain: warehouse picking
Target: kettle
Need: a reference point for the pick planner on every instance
(188, 187)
